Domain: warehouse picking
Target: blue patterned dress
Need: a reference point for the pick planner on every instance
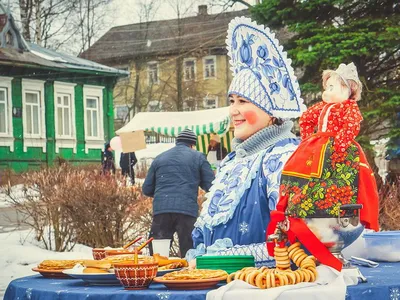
(234, 218)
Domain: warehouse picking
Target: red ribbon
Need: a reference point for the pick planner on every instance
(299, 229)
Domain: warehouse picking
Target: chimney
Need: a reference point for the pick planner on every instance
(203, 10)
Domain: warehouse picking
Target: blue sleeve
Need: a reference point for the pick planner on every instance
(197, 236)
(206, 174)
(198, 245)
(149, 184)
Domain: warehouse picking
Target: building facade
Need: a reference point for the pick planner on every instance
(52, 105)
(174, 65)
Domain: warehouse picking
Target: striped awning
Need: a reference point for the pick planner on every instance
(172, 123)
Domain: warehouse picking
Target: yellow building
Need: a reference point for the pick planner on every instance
(174, 65)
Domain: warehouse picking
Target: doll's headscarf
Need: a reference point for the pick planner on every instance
(262, 73)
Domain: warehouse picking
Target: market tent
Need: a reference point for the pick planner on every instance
(202, 122)
(172, 123)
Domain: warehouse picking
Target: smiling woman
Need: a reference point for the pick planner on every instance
(263, 95)
(246, 117)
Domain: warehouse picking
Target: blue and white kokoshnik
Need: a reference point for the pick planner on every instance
(262, 73)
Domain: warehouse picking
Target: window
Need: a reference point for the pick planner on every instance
(152, 69)
(6, 128)
(209, 67)
(154, 106)
(93, 117)
(64, 113)
(121, 112)
(189, 69)
(210, 102)
(3, 111)
(33, 111)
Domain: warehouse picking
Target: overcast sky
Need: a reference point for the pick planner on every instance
(127, 11)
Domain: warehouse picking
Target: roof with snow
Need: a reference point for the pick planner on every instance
(204, 31)
(15, 51)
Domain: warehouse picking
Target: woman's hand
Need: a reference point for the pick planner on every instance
(192, 264)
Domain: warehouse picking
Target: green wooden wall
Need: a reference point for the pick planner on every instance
(34, 157)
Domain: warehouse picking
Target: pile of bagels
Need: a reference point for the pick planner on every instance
(266, 278)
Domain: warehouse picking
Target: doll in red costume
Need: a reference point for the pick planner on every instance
(329, 168)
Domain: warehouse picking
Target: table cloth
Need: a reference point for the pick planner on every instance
(383, 284)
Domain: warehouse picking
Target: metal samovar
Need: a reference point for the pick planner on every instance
(335, 232)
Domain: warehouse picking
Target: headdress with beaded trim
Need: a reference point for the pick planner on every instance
(262, 73)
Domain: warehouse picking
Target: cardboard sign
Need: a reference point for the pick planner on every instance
(133, 141)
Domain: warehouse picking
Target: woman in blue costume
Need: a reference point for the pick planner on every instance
(263, 95)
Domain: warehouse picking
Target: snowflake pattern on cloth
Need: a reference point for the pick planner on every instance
(343, 119)
(163, 296)
(394, 293)
(28, 293)
(244, 227)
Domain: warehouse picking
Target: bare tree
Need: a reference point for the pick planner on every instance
(89, 20)
(136, 96)
(227, 4)
(55, 23)
(181, 9)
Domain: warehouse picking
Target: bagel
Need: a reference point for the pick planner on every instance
(252, 276)
(261, 281)
(312, 276)
(230, 277)
(280, 249)
(294, 246)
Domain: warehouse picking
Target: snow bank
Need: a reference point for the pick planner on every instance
(19, 253)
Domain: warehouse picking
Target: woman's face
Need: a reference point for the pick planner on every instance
(246, 117)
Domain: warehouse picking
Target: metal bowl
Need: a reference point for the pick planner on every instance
(336, 233)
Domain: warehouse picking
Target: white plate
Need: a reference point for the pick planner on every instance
(93, 278)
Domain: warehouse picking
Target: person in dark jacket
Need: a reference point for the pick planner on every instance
(216, 152)
(107, 160)
(173, 181)
(127, 162)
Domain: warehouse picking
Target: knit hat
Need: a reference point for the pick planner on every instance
(215, 137)
(187, 136)
(262, 73)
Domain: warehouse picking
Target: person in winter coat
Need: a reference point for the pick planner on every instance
(173, 180)
(216, 152)
(127, 162)
(107, 160)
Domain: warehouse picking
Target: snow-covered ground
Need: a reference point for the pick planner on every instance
(17, 192)
(19, 253)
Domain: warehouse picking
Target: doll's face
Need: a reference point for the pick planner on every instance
(335, 91)
(246, 117)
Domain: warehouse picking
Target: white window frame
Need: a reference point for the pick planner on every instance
(206, 106)
(93, 91)
(7, 138)
(34, 140)
(115, 113)
(184, 69)
(214, 57)
(65, 141)
(148, 72)
(154, 103)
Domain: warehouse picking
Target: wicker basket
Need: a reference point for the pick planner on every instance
(98, 253)
(135, 276)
